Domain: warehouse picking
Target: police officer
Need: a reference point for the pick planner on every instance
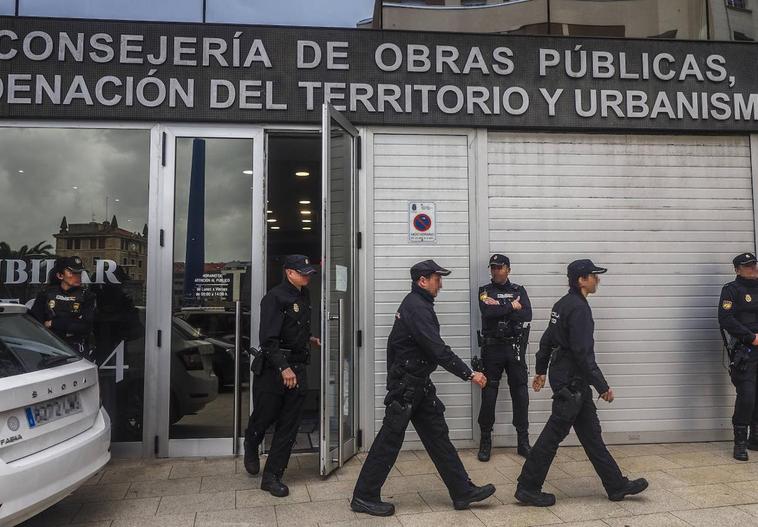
(738, 316)
(505, 308)
(64, 306)
(280, 383)
(414, 350)
(568, 345)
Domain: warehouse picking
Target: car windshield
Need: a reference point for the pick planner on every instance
(185, 329)
(26, 346)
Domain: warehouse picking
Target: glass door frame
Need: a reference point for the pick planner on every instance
(332, 458)
(161, 444)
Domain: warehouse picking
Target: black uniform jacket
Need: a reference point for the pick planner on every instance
(415, 336)
(71, 313)
(505, 294)
(285, 325)
(738, 309)
(570, 330)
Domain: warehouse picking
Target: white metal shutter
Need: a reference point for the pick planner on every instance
(665, 214)
(422, 167)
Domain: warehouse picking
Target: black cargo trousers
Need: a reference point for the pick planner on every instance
(273, 403)
(499, 357)
(412, 400)
(583, 417)
(744, 375)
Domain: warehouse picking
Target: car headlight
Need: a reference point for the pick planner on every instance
(191, 359)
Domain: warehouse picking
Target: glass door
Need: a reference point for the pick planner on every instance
(339, 309)
(205, 330)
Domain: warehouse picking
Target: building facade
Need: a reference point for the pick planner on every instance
(623, 131)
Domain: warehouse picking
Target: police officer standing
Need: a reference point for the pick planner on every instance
(568, 345)
(414, 350)
(738, 316)
(279, 383)
(65, 307)
(505, 308)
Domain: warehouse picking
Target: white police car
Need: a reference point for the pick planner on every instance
(54, 435)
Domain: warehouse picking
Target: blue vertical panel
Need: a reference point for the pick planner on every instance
(7, 7)
(332, 13)
(194, 265)
(163, 10)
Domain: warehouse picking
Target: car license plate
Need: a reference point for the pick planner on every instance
(49, 411)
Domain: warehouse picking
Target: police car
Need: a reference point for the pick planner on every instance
(54, 434)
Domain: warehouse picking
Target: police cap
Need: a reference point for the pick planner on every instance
(584, 267)
(744, 259)
(299, 263)
(72, 263)
(426, 268)
(499, 259)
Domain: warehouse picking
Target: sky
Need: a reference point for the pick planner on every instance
(333, 13)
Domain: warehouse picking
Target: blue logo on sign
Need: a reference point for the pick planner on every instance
(422, 222)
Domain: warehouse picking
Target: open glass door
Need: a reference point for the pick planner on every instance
(338, 305)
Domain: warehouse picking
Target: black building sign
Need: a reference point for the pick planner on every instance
(75, 69)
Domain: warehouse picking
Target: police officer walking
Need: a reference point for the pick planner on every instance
(280, 383)
(568, 345)
(505, 309)
(65, 307)
(414, 350)
(738, 316)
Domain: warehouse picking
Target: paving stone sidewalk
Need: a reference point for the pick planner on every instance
(692, 484)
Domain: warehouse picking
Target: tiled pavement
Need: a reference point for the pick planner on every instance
(694, 484)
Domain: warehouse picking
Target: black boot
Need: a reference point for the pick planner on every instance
(474, 495)
(740, 443)
(372, 507)
(522, 445)
(752, 443)
(485, 446)
(630, 488)
(252, 461)
(534, 497)
(273, 484)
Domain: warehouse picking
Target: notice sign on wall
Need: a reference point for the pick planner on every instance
(422, 222)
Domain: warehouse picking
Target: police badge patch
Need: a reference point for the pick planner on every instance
(726, 304)
(75, 307)
(295, 308)
(51, 304)
(748, 298)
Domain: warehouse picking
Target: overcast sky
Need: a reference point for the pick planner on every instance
(336, 13)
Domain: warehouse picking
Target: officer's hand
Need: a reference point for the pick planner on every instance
(289, 378)
(607, 396)
(316, 341)
(491, 301)
(538, 383)
(479, 379)
(48, 324)
(755, 340)
(516, 305)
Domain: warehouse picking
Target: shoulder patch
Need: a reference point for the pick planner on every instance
(726, 304)
(748, 298)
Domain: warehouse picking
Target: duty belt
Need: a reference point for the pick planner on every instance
(495, 341)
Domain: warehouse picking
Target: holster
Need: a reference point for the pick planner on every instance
(567, 402)
(739, 359)
(256, 367)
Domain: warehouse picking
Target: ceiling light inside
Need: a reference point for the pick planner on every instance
(302, 173)
(274, 228)
(306, 221)
(305, 212)
(304, 202)
(247, 172)
(271, 220)
(306, 228)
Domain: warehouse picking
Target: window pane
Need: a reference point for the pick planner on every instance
(492, 16)
(164, 10)
(680, 19)
(60, 190)
(334, 13)
(734, 20)
(7, 7)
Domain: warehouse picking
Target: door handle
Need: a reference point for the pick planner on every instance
(334, 317)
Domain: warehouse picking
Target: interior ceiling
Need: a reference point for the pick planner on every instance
(288, 154)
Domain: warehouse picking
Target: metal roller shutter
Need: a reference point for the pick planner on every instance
(422, 167)
(665, 214)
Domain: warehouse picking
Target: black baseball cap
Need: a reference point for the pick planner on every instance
(499, 259)
(426, 268)
(583, 268)
(744, 259)
(72, 263)
(301, 264)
